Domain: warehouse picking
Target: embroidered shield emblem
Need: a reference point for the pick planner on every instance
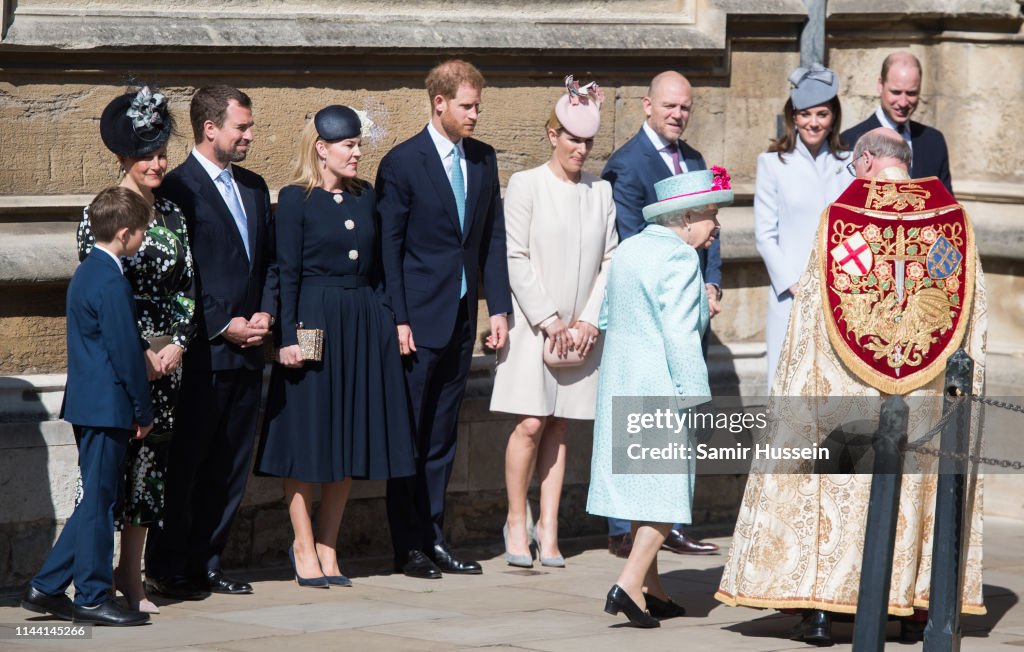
(943, 258)
(853, 255)
(897, 284)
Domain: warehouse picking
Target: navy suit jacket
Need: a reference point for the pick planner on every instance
(423, 249)
(931, 157)
(633, 170)
(107, 386)
(229, 284)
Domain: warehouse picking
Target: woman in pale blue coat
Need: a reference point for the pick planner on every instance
(655, 314)
(797, 178)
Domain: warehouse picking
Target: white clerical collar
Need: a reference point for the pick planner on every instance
(443, 144)
(893, 173)
(117, 260)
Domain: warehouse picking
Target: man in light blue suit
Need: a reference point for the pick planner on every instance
(657, 152)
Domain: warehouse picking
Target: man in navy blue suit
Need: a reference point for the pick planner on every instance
(899, 90)
(229, 221)
(442, 228)
(657, 152)
(107, 402)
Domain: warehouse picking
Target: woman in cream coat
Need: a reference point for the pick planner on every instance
(801, 174)
(560, 225)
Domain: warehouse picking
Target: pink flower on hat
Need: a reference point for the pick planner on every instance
(721, 180)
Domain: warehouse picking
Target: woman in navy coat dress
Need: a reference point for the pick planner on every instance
(346, 416)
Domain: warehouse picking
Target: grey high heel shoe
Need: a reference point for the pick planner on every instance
(522, 561)
(558, 561)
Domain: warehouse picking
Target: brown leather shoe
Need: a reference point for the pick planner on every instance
(620, 545)
(678, 542)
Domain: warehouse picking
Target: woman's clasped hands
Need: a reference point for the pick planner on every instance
(561, 339)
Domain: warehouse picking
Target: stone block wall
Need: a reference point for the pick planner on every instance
(63, 61)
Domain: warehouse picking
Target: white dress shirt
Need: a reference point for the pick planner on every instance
(117, 260)
(445, 148)
(664, 149)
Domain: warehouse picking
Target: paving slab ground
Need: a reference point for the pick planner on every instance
(551, 610)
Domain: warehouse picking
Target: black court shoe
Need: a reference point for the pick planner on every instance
(618, 600)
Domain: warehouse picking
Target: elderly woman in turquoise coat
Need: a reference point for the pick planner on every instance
(654, 316)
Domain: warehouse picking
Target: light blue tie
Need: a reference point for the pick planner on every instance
(458, 182)
(236, 209)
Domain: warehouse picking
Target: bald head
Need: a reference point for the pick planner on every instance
(667, 105)
(879, 149)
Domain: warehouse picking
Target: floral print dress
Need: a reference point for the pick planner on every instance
(162, 280)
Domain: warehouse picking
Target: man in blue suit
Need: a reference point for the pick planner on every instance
(899, 90)
(107, 402)
(657, 152)
(442, 228)
(229, 220)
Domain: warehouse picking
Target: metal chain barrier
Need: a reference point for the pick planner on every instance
(920, 445)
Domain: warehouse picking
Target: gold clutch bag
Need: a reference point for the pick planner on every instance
(311, 343)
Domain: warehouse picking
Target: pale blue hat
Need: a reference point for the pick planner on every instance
(812, 86)
(690, 190)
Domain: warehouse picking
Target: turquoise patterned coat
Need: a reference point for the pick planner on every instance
(654, 317)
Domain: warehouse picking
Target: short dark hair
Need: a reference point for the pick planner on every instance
(445, 78)
(117, 208)
(211, 103)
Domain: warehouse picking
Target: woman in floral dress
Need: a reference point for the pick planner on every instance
(135, 127)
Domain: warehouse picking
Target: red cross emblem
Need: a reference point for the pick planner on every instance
(853, 255)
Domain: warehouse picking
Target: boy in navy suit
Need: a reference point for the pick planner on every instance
(107, 402)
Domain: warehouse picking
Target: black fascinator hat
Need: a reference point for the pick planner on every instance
(337, 122)
(137, 123)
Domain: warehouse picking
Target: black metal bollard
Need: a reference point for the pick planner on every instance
(951, 530)
(880, 533)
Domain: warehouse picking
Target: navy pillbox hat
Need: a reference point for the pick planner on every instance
(337, 122)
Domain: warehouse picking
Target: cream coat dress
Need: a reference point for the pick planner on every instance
(560, 240)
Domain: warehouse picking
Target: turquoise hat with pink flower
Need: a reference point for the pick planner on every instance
(690, 190)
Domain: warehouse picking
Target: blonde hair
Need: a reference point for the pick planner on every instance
(307, 167)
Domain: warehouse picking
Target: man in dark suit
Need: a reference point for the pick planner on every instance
(657, 152)
(107, 402)
(899, 90)
(442, 227)
(231, 235)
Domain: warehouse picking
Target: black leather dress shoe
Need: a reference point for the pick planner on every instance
(446, 560)
(678, 542)
(218, 582)
(109, 613)
(418, 565)
(620, 545)
(663, 609)
(911, 631)
(816, 628)
(176, 587)
(43, 603)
